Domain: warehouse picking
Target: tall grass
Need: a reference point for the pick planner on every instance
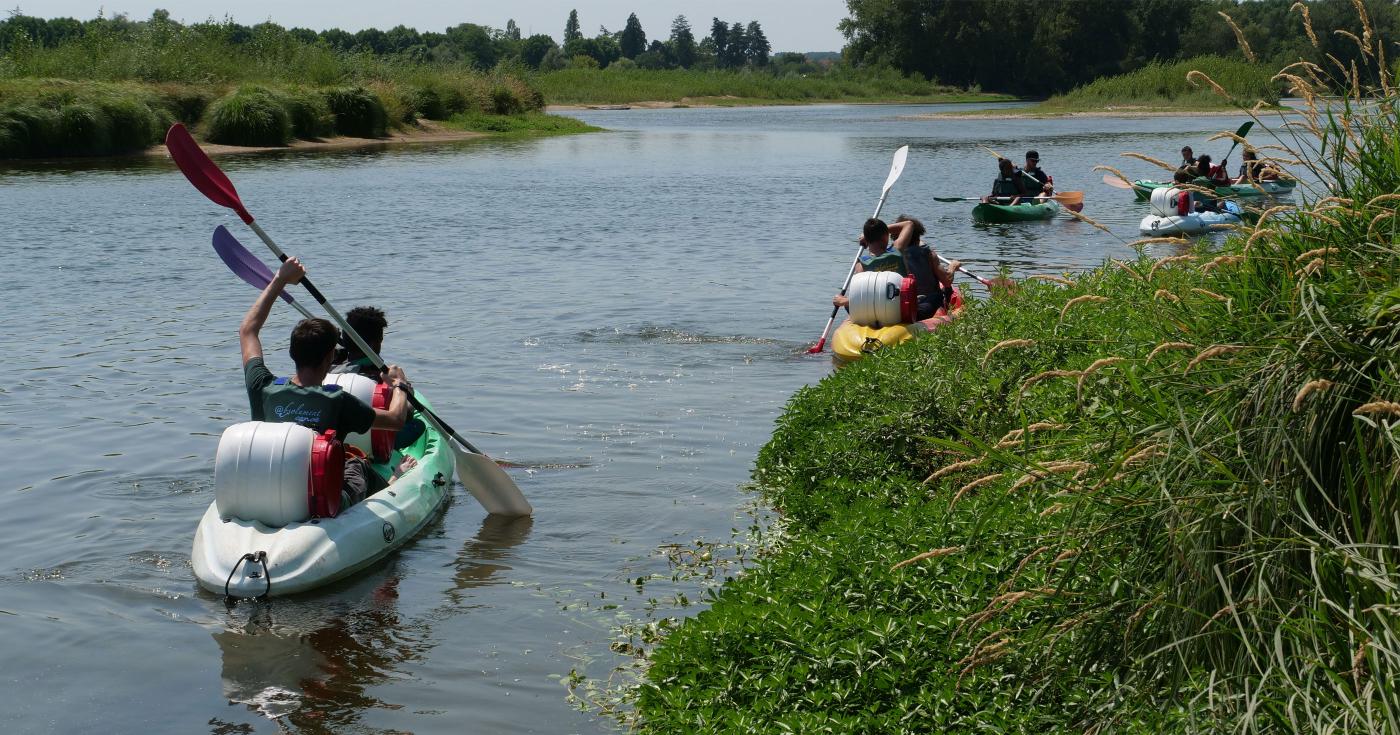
(1171, 507)
(64, 118)
(619, 86)
(1166, 85)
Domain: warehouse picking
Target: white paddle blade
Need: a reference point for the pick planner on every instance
(896, 168)
(490, 484)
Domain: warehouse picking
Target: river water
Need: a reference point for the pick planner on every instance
(623, 312)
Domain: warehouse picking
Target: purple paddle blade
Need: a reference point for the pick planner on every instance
(244, 264)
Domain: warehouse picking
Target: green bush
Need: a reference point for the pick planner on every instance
(1166, 84)
(250, 115)
(358, 112)
(427, 103)
(310, 115)
(186, 103)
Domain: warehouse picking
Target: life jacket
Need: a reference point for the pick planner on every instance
(1005, 186)
(918, 263)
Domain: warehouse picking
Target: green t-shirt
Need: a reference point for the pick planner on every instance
(318, 409)
(889, 260)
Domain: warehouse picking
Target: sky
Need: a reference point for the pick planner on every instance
(791, 25)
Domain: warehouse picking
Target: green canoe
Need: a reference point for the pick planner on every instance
(1142, 189)
(1015, 212)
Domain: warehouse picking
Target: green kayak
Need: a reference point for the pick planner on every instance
(1142, 189)
(1015, 212)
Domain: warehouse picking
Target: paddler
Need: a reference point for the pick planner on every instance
(302, 399)
(1037, 181)
(1252, 169)
(875, 237)
(932, 281)
(1188, 157)
(370, 323)
(1009, 185)
(1213, 175)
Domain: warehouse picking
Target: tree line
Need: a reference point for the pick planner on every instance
(1050, 46)
(728, 46)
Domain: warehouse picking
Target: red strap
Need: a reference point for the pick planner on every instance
(1183, 203)
(327, 475)
(908, 301)
(381, 441)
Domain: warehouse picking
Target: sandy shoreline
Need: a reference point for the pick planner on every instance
(426, 132)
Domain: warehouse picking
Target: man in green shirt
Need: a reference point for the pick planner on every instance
(301, 398)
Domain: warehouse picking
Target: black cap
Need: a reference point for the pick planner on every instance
(1032, 155)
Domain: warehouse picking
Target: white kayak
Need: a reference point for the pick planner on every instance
(1165, 220)
(239, 557)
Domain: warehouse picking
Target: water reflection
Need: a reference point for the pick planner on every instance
(314, 666)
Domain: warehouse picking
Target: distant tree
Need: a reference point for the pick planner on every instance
(512, 30)
(682, 43)
(572, 32)
(400, 38)
(304, 35)
(657, 56)
(474, 42)
(719, 39)
(736, 52)
(553, 59)
(534, 49)
(338, 39)
(757, 43)
(633, 40)
(606, 48)
(372, 39)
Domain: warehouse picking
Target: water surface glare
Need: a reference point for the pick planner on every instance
(624, 313)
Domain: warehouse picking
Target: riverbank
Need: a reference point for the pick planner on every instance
(61, 117)
(1194, 87)
(585, 88)
(1155, 496)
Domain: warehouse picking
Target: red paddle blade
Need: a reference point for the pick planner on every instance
(202, 172)
(816, 349)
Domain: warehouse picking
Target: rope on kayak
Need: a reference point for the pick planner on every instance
(259, 557)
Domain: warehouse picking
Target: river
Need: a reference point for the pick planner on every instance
(625, 313)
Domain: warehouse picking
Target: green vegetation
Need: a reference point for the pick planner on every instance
(621, 86)
(1166, 86)
(1161, 496)
(522, 125)
(114, 86)
(1051, 46)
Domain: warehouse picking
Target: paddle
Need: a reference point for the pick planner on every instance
(1242, 132)
(1070, 199)
(247, 267)
(990, 284)
(896, 168)
(1117, 183)
(486, 481)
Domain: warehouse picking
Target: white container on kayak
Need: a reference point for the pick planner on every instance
(1165, 201)
(261, 472)
(875, 298)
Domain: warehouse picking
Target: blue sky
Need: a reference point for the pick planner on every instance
(791, 25)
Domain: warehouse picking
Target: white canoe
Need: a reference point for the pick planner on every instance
(248, 559)
(1190, 224)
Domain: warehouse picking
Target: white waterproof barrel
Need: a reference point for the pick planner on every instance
(875, 298)
(262, 471)
(362, 388)
(1164, 200)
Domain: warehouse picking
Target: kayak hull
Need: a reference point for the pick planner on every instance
(1142, 189)
(1195, 223)
(985, 212)
(852, 341)
(303, 556)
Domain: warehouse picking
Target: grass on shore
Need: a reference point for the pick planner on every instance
(1159, 496)
(623, 86)
(1165, 86)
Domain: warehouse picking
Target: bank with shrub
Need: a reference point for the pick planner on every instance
(1159, 496)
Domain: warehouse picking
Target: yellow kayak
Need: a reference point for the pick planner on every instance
(852, 341)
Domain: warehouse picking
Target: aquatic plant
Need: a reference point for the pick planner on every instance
(50, 117)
